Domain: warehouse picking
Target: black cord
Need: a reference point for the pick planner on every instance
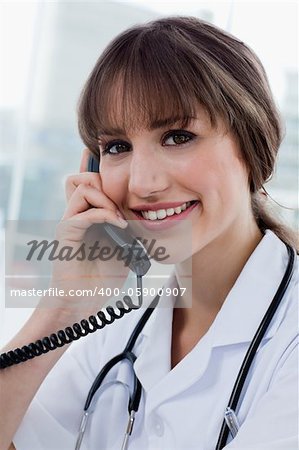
(73, 333)
(251, 352)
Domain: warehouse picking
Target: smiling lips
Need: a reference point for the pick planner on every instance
(164, 218)
(162, 213)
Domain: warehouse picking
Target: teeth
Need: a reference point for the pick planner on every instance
(152, 215)
(162, 213)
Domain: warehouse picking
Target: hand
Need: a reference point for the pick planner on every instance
(87, 207)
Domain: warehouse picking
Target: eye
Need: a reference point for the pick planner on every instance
(179, 137)
(114, 147)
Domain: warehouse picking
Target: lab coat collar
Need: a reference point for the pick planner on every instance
(235, 323)
(252, 294)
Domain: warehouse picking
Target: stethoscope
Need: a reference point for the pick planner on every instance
(230, 423)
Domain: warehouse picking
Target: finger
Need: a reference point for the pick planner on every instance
(85, 197)
(100, 215)
(87, 178)
(73, 229)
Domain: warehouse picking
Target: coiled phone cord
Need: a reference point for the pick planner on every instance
(73, 333)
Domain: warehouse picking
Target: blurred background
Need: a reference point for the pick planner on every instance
(47, 50)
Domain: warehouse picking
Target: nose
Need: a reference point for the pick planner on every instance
(148, 174)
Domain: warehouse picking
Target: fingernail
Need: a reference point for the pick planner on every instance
(119, 214)
(121, 220)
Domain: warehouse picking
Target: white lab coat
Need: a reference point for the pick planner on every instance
(183, 408)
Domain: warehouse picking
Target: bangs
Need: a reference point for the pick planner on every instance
(146, 82)
(131, 103)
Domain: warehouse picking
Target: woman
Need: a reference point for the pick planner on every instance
(177, 111)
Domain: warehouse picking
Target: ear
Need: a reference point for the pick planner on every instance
(84, 160)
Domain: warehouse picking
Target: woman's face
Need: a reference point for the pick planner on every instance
(172, 165)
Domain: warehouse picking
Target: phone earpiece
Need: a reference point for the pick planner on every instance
(139, 262)
(93, 164)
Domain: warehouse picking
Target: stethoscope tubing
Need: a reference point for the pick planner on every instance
(127, 354)
(248, 359)
(135, 397)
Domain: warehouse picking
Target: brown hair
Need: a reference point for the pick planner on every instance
(164, 69)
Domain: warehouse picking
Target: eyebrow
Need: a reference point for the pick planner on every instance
(157, 124)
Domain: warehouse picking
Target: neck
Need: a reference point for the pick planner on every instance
(215, 269)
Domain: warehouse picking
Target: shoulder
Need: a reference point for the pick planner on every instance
(281, 349)
(290, 303)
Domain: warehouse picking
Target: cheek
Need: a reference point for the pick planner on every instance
(112, 184)
(206, 176)
(223, 181)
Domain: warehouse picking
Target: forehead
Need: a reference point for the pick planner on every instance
(124, 108)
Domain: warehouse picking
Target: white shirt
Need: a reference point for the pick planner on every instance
(183, 408)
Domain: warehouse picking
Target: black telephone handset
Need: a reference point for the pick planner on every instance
(139, 263)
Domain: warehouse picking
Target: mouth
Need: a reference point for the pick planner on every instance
(166, 214)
